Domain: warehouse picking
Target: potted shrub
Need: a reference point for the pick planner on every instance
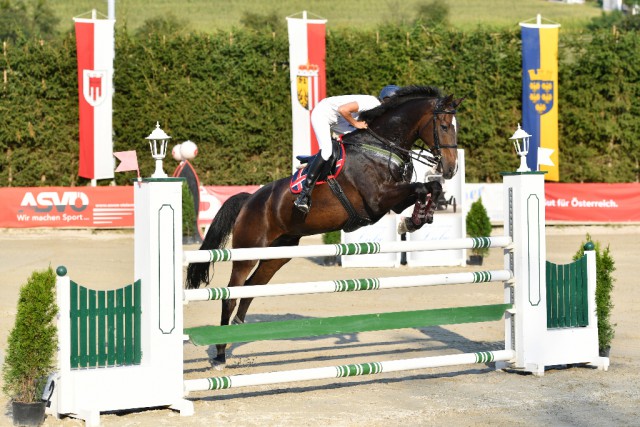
(605, 266)
(478, 225)
(31, 350)
(331, 238)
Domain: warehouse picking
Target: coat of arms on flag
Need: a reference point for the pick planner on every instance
(95, 86)
(541, 90)
(307, 85)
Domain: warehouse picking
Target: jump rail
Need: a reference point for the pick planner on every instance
(348, 285)
(245, 254)
(343, 371)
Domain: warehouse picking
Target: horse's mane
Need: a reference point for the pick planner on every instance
(403, 95)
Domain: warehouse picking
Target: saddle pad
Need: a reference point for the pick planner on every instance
(295, 185)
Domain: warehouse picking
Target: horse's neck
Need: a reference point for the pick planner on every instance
(403, 135)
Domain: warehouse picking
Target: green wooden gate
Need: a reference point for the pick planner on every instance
(105, 326)
(567, 291)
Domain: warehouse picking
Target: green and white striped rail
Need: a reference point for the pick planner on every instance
(348, 285)
(345, 371)
(244, 254)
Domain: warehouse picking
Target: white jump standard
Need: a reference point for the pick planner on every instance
(138, 361)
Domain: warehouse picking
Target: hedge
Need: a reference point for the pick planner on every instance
(229, 92)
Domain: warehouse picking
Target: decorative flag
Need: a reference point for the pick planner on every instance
(95, 50)
(540, 95)
(308, 83)
(128, 159)
(128, 162)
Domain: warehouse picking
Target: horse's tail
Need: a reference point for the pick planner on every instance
(216, 238)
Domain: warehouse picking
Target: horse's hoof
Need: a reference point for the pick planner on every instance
(402, 227)
(219, 363)
(406, 225)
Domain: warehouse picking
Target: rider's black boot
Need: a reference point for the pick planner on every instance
(303, 202)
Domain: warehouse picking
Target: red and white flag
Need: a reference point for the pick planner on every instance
(307, 54)
(95, 50)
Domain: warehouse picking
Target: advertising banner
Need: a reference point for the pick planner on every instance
(92, 207)
(307, 53)
(77, 207)
(112, 207)
(540, 96)
(604, 203)
(95, 51)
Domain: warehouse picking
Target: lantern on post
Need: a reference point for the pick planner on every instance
(520, 140)
(158, 140)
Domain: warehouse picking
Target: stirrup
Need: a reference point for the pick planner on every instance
(302, 203)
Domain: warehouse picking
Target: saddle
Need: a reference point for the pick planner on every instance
(332, 168)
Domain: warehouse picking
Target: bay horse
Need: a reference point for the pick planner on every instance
(375, 178)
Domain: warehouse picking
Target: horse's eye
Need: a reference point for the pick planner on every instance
(444, 127)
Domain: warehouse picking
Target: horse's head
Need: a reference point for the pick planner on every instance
(419, 112)
(439, 131)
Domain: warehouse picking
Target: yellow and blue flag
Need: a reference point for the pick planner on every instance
(540, 96)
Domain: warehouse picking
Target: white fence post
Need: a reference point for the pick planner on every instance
(526, 325)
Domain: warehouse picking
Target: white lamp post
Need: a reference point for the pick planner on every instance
(521, 143)
(158, 143)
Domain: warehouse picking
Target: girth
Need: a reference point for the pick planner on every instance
(355, 221)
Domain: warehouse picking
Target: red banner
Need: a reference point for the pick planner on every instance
(95, 52)
(112, 207)
(610, 203)
(307, 68)
(91, 207)
(213, 196)
(79, 207)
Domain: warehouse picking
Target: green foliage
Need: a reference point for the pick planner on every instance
(332, 237)
(32, 343)
(21, 20)
(230, 93)
(605, 266)
(189, 224)
(270, 23)
(478, 225)
(433, 13)
(167, 24)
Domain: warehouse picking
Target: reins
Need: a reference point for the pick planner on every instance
(434, 153)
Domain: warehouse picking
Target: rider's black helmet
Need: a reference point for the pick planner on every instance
(388, 91)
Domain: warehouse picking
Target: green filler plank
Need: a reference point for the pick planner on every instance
(287, 329)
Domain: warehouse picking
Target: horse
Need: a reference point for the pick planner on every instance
(375, 178)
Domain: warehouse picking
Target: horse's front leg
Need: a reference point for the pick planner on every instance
(265, 271)
(424, 201)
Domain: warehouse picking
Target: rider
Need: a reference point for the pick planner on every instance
(337, 114)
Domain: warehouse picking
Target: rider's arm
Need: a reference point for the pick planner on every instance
(347, 109)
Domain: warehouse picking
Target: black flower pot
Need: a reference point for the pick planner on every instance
(604, 352)
(475, 260)
(28, 413)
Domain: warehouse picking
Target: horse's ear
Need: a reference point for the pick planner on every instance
(456, 102)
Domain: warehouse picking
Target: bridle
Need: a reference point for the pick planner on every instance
(435, 151)
(435, 154)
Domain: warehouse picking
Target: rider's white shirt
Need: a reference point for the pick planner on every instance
(328, 110)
